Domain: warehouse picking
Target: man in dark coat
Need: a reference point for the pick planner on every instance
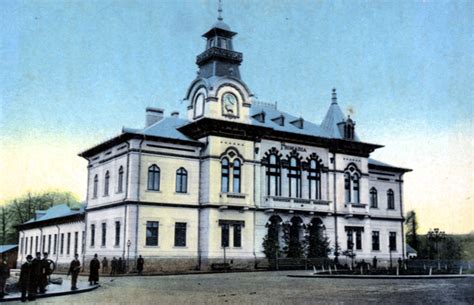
(105, 265)
(113, 270)
(140, 263)
(24, 281)
(374, 262)
(94, 270)
(119, 265)
(4, 275)
(74, 269)
(44, 272)
(35, 274)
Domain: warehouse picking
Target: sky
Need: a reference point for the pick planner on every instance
(72, 73)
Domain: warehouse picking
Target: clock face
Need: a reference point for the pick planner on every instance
(229, 104)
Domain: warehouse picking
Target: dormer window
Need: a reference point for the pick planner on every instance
(280, 120)
(349, 129)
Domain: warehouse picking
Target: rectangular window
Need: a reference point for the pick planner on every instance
(358, 240)
(43, 242)
(92, 235)
(180, 234)
(104, 234)
(31, 245)
(22, 248)
(350, 242)
(62, 244)
(237, 235)
(55, 243)
(375, 241)
(392, 240)
(36, 244)
(49, 244)
(117, 233)
(225, 235)
(83, 242)
(26, 246)
(68, 248)
(76, 242)
(152, 233)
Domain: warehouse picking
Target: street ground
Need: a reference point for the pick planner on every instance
(272, 288)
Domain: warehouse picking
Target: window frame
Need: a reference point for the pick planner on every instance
(374, 198)
(375, 240)
(95, 187)
(314, 177)
(236, 176)
(120, 180)
(154, 178)
(273, 175)
(225, 175)
(155, 225)
(294, 175)
(180, 234)
(117, 233)
(237, 235)
(103, 241)
(181, 180)
(106, 183)
(390, 200)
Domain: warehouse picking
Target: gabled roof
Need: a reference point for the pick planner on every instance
(165, 128)
(272, 113)
(6, 248)
(56, 212)
(375, 164)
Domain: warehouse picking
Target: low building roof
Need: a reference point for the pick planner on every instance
(6, 248)
(57, 213)
(375, 164)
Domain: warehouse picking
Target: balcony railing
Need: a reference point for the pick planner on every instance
(233, 199)
(357, 209)
(301, 204)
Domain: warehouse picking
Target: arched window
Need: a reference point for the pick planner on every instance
(314, 180)
(106, 183)
(225, 175)
(96, 186)
(294, 178)
(236, 176)
(181, 180)
(273, 176)
(120, 180)
(355, 187)
(199, 105)
(347, 187)
(373, 198)
(390, 200)
(154, 178)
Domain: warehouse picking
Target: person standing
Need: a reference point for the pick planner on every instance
(105, 265)
(119, 265)
(140, 263)
(4, 275)
(374, 262)
(35, 274)
(74, 269)
(45, 271)
(113, 270)
(24, 281)
(94, 270)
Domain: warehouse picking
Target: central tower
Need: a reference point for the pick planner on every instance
(218, 91)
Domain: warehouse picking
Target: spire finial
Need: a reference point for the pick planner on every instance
(334, 96)
(219, 11)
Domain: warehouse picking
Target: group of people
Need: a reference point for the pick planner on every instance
(34, 275)
(35, 272)
(119, 266)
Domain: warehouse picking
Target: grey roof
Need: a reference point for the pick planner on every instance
(57, 211)
(6, 248)
(333, 117)
(221, 25)
(410, 249)
(379, 163)
(271, 112)
(165, 128)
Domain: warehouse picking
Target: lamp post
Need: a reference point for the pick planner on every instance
(436, 236)
(129, 243)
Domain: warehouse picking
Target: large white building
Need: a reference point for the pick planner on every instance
(185, 192)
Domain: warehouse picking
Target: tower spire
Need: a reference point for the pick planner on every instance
(219, 11)
(334, 96)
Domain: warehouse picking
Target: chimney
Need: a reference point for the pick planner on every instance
(153, 115)
(175, 114)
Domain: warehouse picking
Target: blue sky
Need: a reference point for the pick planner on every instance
(75, 72)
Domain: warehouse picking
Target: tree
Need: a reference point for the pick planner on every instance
(271, 245)
(412, 226)
(317, 242)
(293, 248)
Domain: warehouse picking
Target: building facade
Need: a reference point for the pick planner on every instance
(186, 193)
